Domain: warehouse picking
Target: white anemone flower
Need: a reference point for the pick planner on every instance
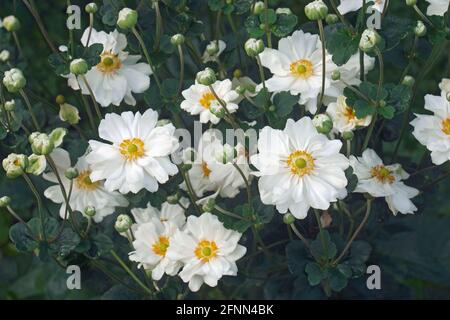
(437, 7)
(152, 240)
(381, 180)
(85, 193)
(118, 74)
(433, 131)
(207, 249)
(173, 213)
(347, 6)
(137, 155)
(200, 100)
(344, 116)
(299, 168)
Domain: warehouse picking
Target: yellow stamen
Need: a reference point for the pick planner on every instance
(302, 68)
(160, 247)
(206, 250)
(350, 113)
(206, 170)
(446, 126)
(382, 174)
(132, 149)
(83, 181)
(206, 100)
(109, 62)
(300, 162)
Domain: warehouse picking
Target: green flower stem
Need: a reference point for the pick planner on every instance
(229, 213)
(355, 234)
(180, 82)
(147, 56)
(91, 26)
(91, 93)
(238, 41)
(410, 58)
(18, 218)
(247, 184)
(341, 17)
(423, 16)
(261, 71)
(441, 178)
(194, 54)
(381, 66)
(349, 147)
(369, 132)
(159, 25)
(39, 202)
(341, 206)
(362, 73)
(322, 39)
(299, 235)
(321, 232)
(30, 110)
(87, 108)
(224, 106)
(267, 29)
(356, 91)
(131, 273)
(71, 39)
(6, 113)
(260, 241)
(190, 190)
(17, 42)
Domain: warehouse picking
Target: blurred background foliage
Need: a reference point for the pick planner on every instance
(412, 251)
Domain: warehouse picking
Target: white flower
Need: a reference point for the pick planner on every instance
(297, 67)
(207, 249)
(139, 154)
(85, 192)
(344, 117)
(437, 7)
(445, 86)
(299, 168)
(172, 213)
(354, 5)
(383, 181)
(213, 50)
(117, 75)
(153, 239)
(213, 169)
(200, 100)
(433, 131)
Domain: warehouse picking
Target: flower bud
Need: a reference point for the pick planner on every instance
(272, 108)
(283, 11)
(15, 165)
(348, 135)
(57, 136)
(79, 67)
(173, 199)
(420, 29)
(60, 99)
(206, 77)
(212, 48)
(237, 73)
(4, 55)
(258, 7)
(331, 18)
(288, 218)
(336, 75)
(177, 39)
(323, 123)
(411, 2)
(382, 103)
(123, 223)
(369, 40)
(209, 205)
(253, 47)
(408, 81)
(91, 8)
(68, 113)
(127, 18)
(5, 201)
(14, 80)
(10, 105)
(71, 173)
(316, 10)
(90, 212)
(11, 23)
(42, 144)
(36, 164)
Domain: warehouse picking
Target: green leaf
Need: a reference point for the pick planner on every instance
(387, 112)
(268, 16)
(323, 248)
(93, 52)
(370, 90)
(284, 103)
(252, 26)
(262, 98)
(352, 180)
(242, 6)
(67, 241)
(363, 108)
(285, 25)
(315, 273)
(297, 257)
(21, 237)
(394, 29)
(399, 96)
(169, 88)
(338, 281)
(216, 5)
(341, 43)
(101, 244)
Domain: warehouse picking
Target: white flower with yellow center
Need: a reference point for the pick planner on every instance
(437, 7)
(199, 99)
(85, 193)
(207, 250)
(381, 180)
(354, 5)
(173, 213)
(137, 156)
(152, 241)
(118, 74)
(297, 67)
(433, 131)
(344, 117)
(299, 168)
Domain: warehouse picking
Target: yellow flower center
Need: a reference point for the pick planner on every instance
(206, 100)
(302, 68)
(84, 182)
(206, 250)
(382, 174)
(132, 149)
(446, 126)
(349, 113)
(206, 170)
(160, 247)
(109, 62)
(300, 162)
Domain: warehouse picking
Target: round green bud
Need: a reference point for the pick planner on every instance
(408, 81)
(369, 40)
(4, 55)
(209, 205)
(288, 218)
(79, 67)
(71, 173)
(10, 105)
(212, 48)
(348, 135)
(5, 201)
(90, 211)
(283, 11)
(177, 39)
(91, 8)
(206, 77)
(173, 199)
(411, 2)
(420, 29)
(336, 75)
(237, 73)
(14, 80)
(272, 108)
(382, 103)
(123, 223)
(69, 113)
(323, 123)
(331, 18)
(127, 18)
(42, 144)
(11, 23)
(60, 99)
(15, 165)
(316, 10)
(258, 7)
(253, 47)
